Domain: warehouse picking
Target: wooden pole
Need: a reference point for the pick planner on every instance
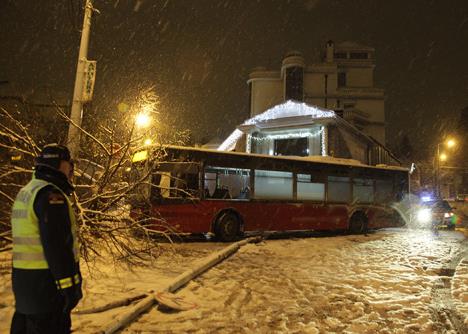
(127, 317)
(121, 302)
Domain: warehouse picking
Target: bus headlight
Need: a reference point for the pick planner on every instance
(424, 216)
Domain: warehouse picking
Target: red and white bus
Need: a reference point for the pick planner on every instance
(226, 193)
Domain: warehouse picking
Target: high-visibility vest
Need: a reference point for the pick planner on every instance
(28, 252)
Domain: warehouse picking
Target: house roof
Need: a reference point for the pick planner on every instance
(291, 113)
(286, 112)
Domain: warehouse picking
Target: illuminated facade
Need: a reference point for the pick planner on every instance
(342, 82)
(298, 129)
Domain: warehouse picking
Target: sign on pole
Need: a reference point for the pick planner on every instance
(88, 82)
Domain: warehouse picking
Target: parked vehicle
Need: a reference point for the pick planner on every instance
(437, 213)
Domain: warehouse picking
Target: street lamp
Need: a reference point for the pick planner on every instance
(142, 120)
(441, 157)
(450, 143)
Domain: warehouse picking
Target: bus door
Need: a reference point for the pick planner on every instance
(176, 195)
(178, 181)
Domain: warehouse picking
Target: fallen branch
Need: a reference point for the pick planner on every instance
(127, 317)
(4, 249)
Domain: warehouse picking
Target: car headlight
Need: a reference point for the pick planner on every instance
(424, 215)
(448, 214)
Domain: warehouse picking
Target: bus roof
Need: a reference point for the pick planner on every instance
(315, 158)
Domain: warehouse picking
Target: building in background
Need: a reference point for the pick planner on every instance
(295, 128)
(342, 82)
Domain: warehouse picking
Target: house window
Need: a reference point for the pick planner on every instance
(340, 55)
(342, 79)
(358, 55)
(294, 84)
(292, 146)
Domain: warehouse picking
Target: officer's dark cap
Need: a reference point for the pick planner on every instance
(52, 154)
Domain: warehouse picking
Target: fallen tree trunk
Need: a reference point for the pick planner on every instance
(143, 305)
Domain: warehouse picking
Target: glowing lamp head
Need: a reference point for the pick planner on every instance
(443, 157)
(451, 143)
(424, 216)
(142, 120)
(148, 142)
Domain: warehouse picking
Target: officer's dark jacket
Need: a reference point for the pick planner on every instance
(35, 290)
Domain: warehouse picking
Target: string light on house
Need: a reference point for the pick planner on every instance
(249, 143)
(291, 135)
(290, 109)
(324, 141)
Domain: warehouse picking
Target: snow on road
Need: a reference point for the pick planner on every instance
(347, 284)
(380, 283)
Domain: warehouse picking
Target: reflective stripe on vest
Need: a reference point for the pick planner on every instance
(67, 282)
(28, 252)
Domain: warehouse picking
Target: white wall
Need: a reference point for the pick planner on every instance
(359, 77)
(265, 94)
(374, 107)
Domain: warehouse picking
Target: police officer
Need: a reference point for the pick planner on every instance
(46, 276)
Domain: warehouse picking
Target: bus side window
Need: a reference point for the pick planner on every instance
(185, 185)
(309, 190)
(383, 191)
(339, 189)
(227, 183)
(363, 190)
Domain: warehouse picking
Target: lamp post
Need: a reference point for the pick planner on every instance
(77, 105)
(441, 157)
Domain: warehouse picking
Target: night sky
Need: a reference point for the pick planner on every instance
(197, 54)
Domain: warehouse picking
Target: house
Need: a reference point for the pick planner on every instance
(343, 82)
(298, 129)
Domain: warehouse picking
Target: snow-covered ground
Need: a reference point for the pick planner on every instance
(380, 283)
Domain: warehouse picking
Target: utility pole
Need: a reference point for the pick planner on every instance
(437, 170)
(77, 105)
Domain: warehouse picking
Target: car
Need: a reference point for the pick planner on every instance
(440, 213)
(462, 198)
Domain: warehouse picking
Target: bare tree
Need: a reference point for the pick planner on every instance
(103, 180)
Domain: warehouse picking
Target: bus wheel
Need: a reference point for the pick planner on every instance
(227, 227)
(358, 224)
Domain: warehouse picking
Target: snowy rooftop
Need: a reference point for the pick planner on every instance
(287, 109)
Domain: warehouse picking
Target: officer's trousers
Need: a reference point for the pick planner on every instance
(45, 323)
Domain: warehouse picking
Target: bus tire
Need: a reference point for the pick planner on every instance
(227, 227)
(358, 223)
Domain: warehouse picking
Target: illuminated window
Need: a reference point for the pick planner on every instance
(293, 146)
